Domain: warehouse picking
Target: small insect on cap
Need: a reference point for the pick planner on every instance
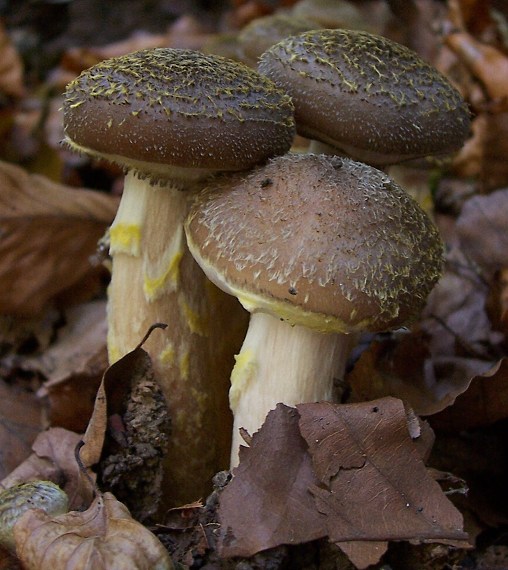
(177, 107)
(319, 241)
(374, 99)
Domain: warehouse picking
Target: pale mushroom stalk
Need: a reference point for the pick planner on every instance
(318, 249)
(313, 362)
(149, 255)
(147, 245)
(172, 118)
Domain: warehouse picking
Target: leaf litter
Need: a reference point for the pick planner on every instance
(450, 367)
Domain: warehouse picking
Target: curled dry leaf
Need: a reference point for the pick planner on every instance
(47, 234)
(185, 32)
(53, 459)
(406, 370)
(486, 63)
(15, 501)
(104, 537)
(350, 472)
(128, 432)
(483, 403)
(11, 67)
(470, 34)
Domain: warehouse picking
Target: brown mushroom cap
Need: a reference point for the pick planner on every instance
(165, 106)
(372, 98)
(319, 241)
(262, 33)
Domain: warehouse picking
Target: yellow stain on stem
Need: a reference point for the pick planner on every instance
(161, 274)
(167, 355)
(125, 238)
(244, 369)
(184, 363)
(197, 323)
(166, 281)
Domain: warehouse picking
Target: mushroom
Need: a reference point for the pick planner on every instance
(366, 96)
(316, 248)
(261, 33)
(171, 117)
(335, 14)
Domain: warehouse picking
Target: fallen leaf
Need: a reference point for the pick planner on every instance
(104, 537)
(20, 498)
(128, 432)
(11, 67)
(404, 368)
(350, 472)
(186, 32)
(488, 64)
(481, 228)
(268, 503)
(47, 234)
(362, 553)
(494, 172)
(20, 422)
(22, 336)
(455, 316)
(483, 403)
(54, 459)
(373, 484)
(73, 366)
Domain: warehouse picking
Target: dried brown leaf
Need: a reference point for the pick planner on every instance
(363, 554)
(53, 459)
(373, 484)
(20, 422)
(486, 63)
(408, 371)
(11, 67)
(113, 389)
(483, 403)
(128, 432)
(481, 228)
(186, 32)
(74, 365)
(360, 478)
(104, 537)
(48, 233)
(268, 503)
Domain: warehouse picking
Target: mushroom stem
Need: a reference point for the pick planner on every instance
(125, 231)
(162, 283)
(281, 363)
(146, 251)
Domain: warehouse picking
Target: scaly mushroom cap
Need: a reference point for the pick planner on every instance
(319, 241)
(177, 107)
(369, 96)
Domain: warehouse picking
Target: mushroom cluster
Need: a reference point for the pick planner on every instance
(317, 248)
(172, 117)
